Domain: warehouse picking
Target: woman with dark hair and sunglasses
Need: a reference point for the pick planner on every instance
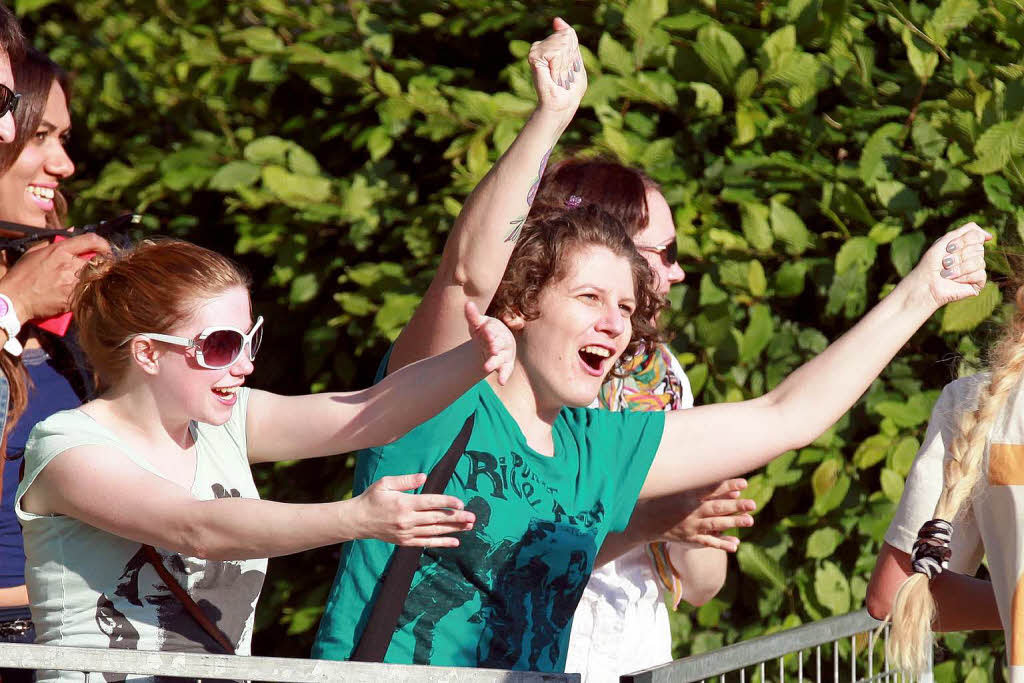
(548, 477)
(140, 505)
(11, 47)
(40, 373)
(673, 548)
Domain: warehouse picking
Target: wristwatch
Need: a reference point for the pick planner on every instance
(10, 324)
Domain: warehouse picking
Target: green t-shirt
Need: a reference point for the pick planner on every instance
(505, 597)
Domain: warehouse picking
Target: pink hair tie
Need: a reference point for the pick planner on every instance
(574, 201)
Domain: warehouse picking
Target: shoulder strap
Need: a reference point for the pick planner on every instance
(194, 610)
(397, 580)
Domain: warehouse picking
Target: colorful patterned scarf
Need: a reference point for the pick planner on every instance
(650, 384)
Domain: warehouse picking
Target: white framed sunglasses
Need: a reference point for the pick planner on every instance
(216, 347)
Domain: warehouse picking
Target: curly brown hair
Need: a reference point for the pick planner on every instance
(542, 256)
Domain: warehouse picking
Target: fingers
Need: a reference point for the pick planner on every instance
(436, 501)
(719, 507)
(405, 482)
(432, 542)
(729, 544)
(729, 488)
(559, 24)
(81, 244)
(473, 316)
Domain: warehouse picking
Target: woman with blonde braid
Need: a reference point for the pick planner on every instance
(983, 477)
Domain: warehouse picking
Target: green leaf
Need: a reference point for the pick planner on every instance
(831, 588)
(905, 252)
(269, 149)
(294, 189)
(746, 84)
(233, 175)
(903, 455)
(949, 17)
(789, 278)
(302, 162)
(892, 485)
(721, 53)
(993, 149)
(760, 490)
(641, 15)
(387, 83)
(999, 194)
(965, 315)
(614, 56)
(709, 101)
(879, 146)
(823, 542)
(758, 333)
(858, 253)
(260, 39)
(757, 282)
(789, 228)
(871, 451)
(756, 563)
(922, 57)
(304, 288)
(756, 228)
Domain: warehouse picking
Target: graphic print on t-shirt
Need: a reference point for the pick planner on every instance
(521, 588)
(224, 592)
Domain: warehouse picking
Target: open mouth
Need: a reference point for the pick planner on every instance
(593, 358)
(226, 394)
(42, 196)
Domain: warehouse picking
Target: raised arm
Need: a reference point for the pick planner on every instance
(297, 427)
(485, 233)
(105, 489)
(817, 394)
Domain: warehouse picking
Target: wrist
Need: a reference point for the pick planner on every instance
(21, 310)
(553, 120)
(913, 297)
(349, 519)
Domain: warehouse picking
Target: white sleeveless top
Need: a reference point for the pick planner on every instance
(90, 588)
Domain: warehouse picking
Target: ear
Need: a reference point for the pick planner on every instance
(144, 352)
(513, 320)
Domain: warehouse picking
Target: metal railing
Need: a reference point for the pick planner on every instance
(829, 649)
(89, 661)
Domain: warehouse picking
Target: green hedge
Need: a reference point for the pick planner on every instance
(809, 148)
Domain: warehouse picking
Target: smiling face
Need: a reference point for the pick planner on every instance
(7, 78)
(660, 231)
(583, 327)
(28, 188)
(197, 392)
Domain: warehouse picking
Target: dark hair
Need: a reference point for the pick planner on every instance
(541, 256)
(617, 189)
(35, 74)
(11, 40)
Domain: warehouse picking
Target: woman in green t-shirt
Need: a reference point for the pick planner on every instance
(548, 478)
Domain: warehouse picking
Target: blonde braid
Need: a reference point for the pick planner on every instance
(913, 610)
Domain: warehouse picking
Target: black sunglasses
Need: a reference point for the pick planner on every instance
(669, 252)
(8, 100)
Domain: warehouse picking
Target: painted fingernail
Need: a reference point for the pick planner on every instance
(951, 247)
(947, 262)
(560, 82)
(947, 273)
(572, 79)
(577, 65)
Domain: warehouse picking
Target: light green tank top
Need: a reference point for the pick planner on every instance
(90, 588)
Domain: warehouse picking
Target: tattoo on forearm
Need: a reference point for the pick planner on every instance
(517, 223)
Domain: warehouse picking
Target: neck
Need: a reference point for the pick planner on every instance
(137, 410)
(535, 419)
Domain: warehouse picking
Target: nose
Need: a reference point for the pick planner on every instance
(59, 164)
(612, 321)
(7, 128)
(676, 274)
(243, 366)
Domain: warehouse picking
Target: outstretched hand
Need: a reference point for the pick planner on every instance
(954, 267)
(696, 517)
(495, 340)
(558, 72)
(387, 513)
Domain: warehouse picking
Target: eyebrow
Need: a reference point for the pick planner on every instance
(50, 126)
(603, 290)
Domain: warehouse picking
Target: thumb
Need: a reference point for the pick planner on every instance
(403, 482)
(473, 316)
(559, 24)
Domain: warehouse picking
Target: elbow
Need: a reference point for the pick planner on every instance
(701, 595)
(878, 605)
(193, 540)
